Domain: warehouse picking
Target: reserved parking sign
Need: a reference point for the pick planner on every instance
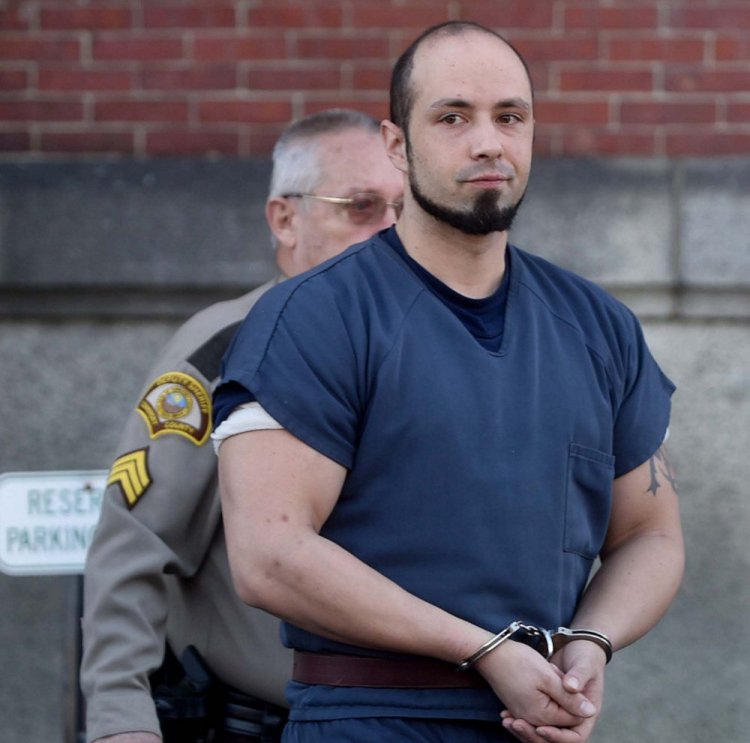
(47, 520)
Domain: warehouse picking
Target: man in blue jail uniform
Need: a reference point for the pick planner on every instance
(425, 442)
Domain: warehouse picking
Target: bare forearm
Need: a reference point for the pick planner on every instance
(634, 588)
(642, 558)
(317, 585)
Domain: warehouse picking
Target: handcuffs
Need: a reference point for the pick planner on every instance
(547, 642)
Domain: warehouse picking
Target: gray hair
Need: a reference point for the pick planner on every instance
(296, 164)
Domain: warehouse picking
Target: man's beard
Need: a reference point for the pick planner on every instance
(484, 217)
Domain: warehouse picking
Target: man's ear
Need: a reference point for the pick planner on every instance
(395, 144)
(281, 214)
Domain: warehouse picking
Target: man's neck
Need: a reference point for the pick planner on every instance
(472, 265)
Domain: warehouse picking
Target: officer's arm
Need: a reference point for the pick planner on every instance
(277, 493)
(155, 519)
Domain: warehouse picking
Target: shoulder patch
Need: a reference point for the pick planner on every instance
(177, 403)
(130, 472)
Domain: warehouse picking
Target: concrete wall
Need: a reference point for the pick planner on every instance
(100, 261)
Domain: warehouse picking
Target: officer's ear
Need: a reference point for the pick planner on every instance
(281, 214)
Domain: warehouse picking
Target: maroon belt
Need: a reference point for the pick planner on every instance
(396, 673)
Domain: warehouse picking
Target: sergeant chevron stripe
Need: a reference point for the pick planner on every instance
(131, 473)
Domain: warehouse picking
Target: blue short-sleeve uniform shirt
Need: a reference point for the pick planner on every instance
(478, 480)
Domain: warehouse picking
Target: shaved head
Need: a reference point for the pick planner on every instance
(402, 92)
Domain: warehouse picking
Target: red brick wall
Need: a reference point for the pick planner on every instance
(173, 77)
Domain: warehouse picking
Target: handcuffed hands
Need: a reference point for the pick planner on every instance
(532, 688)
(579, 667)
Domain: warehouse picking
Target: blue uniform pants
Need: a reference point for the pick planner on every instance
(395, 730)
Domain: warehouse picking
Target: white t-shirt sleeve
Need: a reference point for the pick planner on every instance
(248, 417)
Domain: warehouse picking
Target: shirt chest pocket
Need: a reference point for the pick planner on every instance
(588, 498)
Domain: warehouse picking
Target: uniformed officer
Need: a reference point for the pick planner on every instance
(157, 569)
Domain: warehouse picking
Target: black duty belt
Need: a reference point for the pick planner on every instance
(245, 717)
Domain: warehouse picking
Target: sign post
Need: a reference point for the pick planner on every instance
(47, 521)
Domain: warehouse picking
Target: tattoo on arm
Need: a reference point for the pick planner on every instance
(660, 466)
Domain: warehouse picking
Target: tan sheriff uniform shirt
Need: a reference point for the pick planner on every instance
(157, 568)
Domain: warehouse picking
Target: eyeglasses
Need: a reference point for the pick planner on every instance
(362, 208)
